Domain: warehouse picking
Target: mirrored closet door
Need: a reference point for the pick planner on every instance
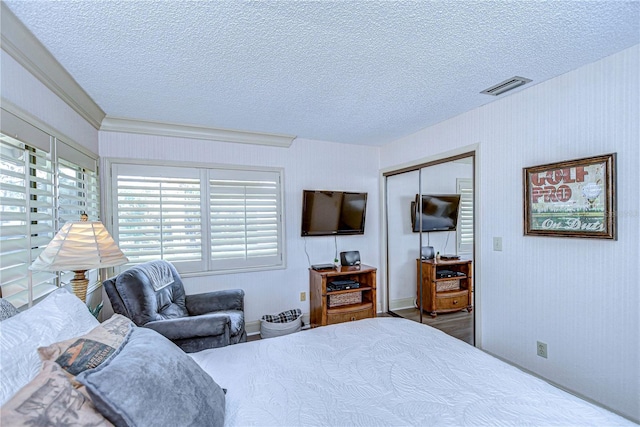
(429, 213)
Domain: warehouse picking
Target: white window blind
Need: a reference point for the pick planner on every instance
(158, 215)
(27, 220)
(245, 219)
(465, 225)
(44, 182)
(200, 219)
(78, 193)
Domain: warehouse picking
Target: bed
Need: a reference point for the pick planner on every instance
(58, 365)
(385, 371)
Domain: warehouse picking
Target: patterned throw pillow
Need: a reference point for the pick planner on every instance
(88, 351)
(7, 309)
(50, 400)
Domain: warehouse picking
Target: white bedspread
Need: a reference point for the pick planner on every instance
(386, 372)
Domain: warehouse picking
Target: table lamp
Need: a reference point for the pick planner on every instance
(80, 246)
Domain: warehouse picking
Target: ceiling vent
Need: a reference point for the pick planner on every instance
(506, 86)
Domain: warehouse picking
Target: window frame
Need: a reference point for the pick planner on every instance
(32, 134)
(465, 184)
(87, 185)
(207, 265)
(30, 221)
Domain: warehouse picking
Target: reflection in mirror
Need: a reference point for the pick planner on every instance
(441, 224)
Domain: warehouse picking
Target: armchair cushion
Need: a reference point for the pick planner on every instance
(141, 302)
(236, 322)
(228, 299)
(192, 326)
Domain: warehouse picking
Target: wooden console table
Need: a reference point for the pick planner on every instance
(329, 307)
(446, 294)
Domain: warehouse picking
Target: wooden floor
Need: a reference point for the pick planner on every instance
(458, 324)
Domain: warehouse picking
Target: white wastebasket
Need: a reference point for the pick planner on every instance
(270, 329)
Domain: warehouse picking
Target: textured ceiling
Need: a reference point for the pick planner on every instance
(363, 72)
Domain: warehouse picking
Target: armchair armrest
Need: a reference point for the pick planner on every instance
(228, 299)
(211, 324)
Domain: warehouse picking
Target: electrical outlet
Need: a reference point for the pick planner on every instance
(497, 243)
(303, 296)
(542, 349)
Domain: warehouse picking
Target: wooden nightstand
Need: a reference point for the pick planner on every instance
(445, 294)
(329, 307)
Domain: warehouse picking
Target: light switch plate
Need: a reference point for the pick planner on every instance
(497, 243)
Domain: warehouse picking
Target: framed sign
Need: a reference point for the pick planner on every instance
(575, 198)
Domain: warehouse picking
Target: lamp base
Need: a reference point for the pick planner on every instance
(79, 284)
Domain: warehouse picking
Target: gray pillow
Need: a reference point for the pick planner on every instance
(7, 309)
(150, 381)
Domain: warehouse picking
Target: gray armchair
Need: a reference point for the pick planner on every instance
(152, 295)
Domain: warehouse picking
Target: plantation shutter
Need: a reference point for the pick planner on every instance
(200, 219)
(245, 219)
(158, 214)
(465, 224)
(27, 213)
(78, 185)
(78, 193)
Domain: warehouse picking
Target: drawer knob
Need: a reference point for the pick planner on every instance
(455, 301)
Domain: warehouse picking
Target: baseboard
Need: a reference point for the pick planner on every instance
(400, 304)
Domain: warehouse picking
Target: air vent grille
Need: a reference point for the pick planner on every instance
(506, 86)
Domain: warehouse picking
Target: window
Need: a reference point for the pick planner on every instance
(244, 209)
(465, 226)
(78, 192)
(27, 220)
(200, 219)
(38, 194)
(78, 185)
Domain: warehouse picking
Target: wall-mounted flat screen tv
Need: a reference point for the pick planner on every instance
(326, 213)
(439, 213)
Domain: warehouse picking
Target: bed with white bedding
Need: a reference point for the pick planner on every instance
(385, 371)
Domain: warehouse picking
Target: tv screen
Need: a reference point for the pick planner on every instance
(326, 213)
(439, 213)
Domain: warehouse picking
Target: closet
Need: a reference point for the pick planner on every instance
(418, 204)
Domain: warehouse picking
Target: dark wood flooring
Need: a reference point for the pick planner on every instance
(458, 324)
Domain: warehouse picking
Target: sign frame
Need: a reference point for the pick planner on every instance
(574, 198)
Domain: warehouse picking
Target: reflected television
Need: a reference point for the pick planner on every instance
(439, 213)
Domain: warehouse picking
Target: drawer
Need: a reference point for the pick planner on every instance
(452, 302)
(349, 316)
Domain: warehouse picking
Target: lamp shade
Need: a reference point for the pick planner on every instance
(80, 245)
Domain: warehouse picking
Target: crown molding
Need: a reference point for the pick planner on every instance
(118, 124)
(27, 50)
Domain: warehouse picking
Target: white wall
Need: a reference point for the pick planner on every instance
(580, 296)
(23, 90)
(307, 165)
